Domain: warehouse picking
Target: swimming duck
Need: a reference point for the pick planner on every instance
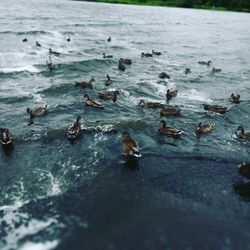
(68, 39)
(187, 71)
(244, 169)
(5, 136)
(91, 102)
(74, 131)
(169, 131)
(111, 95)
(53, 52)
(205, 128)
(214, 70)
(156, 53)
(164, 75)
(153, 105)
(50, 65)
(37, 112)
(25, 40)
(109, 81)
(109, 39)
(38, 44)
(169, 111)
(130, 146)
(241, 134)
(205, 63)
(107, 56)
(215, 108)
(127, 61)
(121, 65)
(171, 94)
(235, 99)
(84, 84)
(146, 54)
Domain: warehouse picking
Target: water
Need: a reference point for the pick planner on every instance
(182, 194)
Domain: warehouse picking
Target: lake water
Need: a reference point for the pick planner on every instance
(183, 193)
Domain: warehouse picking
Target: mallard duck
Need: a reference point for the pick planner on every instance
(153, 105)
(107, 56)
(235, 99)
(38, 44)
(187, 71)
(5, 136)
(91, 102)
(156, 53)
(241, 134)
(109, 39)
(127, 61)
(121, 65)
(130, 146)
(169, 111)
(164, 75)
(74, 131)
(244, 169)
(84, 84)
(214, 70)
(111, 95)
(53, 52)
(38, 111)
(25, 40)
(205, 63)
(109, 81)
(146, 54)
(171, 94)
(215, 108)
(169, 131)
(68, 39)
(205, 128)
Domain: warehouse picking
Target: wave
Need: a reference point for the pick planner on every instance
(26, 68)
(22, 33)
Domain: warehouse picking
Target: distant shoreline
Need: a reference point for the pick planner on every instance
(165, 4)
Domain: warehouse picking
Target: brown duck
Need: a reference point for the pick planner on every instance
(91, 102)
(205, 128)
(84, 84)
(169, 111)
(109, 95)
(241, 134)
(38, 111)
(169, 131)
(153, 105)
(130, 146)
(235, 99)
(171, 94)
(215, 108)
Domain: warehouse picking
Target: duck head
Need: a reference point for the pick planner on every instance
(78, 119)
(209, 62)
(125, 135)
(240, 130)
(5, 135)
(162, 124)
(114, 99)
(92, 80)
(28, 110)
(142, 103)
(86, 96)
(200, 124)
(205, 106)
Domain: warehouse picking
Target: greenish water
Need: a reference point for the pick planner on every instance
(182, 194)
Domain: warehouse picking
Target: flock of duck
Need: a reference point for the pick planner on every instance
(130, 146)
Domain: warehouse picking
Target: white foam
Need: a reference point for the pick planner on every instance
(194, 95)
(40, 246)
(29, 68)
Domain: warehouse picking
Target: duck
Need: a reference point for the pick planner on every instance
(153, 105)
(38, 44)
(5, 136)
(50, 65)
(53, 52)
(215, 108)
(107, 56)
(164, 75)
(127, 61)
(74, 131)
(169, 131)
(25, 40)
(109, 39)
(215, 70)
(109, 95)
(109, 81)
(205, 63)
(156, 53)
(187, 71)
(68, 39)
(91, 102)
(38, 111)
(235, 99)
(146, 54)
(244, 169)
(130, 146)
(241, 134)
(171, 94)
(121, 65)
(205, 128)
(169, 111)
(84, 84)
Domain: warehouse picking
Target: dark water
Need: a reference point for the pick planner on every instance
(182, 194)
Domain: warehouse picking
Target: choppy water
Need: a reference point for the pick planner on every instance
(57, 195)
